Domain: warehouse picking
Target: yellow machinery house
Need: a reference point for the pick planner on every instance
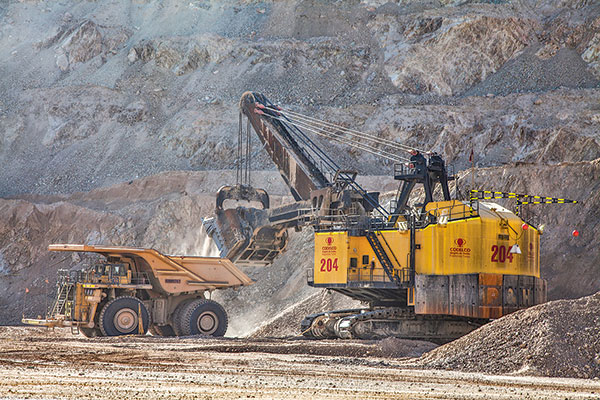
(433, 271)
(475, 261)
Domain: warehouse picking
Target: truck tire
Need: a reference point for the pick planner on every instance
(120, 317)
(162, 330)
(176, 317)
(203, 317)
(90, 332)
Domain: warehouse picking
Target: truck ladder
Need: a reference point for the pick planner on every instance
(61, 299)
(382, 256)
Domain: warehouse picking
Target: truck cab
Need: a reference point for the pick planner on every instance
(111, 273)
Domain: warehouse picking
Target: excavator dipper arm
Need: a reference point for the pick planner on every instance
(295, 165)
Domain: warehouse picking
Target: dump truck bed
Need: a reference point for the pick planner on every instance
(171, 274)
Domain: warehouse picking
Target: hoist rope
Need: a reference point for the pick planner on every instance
(353, 132)
(323, 156)
(361, 146)
(331, 164)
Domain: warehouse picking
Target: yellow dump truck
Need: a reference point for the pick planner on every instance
(135, 290)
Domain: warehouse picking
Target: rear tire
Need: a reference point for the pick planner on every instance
(204, 317)
(176, 317)
(120, 317)
(164, 330)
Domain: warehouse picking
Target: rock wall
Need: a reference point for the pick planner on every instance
(102, 102)
(97, 93)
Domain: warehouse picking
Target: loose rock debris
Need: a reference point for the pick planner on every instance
(38, 364)
(560, 338)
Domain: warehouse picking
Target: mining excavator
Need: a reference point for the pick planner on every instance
(431, 271)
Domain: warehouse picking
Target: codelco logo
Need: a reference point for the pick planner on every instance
(460, 248)
(329, 248)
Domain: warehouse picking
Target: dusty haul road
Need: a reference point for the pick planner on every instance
(43, 365)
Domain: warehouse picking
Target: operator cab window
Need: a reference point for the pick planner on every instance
(120, 270)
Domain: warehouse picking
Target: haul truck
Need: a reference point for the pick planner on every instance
(135, 290)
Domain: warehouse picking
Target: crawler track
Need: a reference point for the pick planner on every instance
(387, 322)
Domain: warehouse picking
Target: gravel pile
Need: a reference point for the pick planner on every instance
(559, 338)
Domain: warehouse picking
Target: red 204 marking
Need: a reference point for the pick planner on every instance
(328, 264)
(501, 254)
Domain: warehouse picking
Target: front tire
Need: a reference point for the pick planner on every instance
(203, 317)
(120, 317)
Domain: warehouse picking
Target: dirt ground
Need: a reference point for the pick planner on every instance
(39, 364)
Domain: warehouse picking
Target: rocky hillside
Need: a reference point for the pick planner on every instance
(96, 93)
(118, 119)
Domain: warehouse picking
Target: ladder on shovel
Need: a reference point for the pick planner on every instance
(382, 256)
